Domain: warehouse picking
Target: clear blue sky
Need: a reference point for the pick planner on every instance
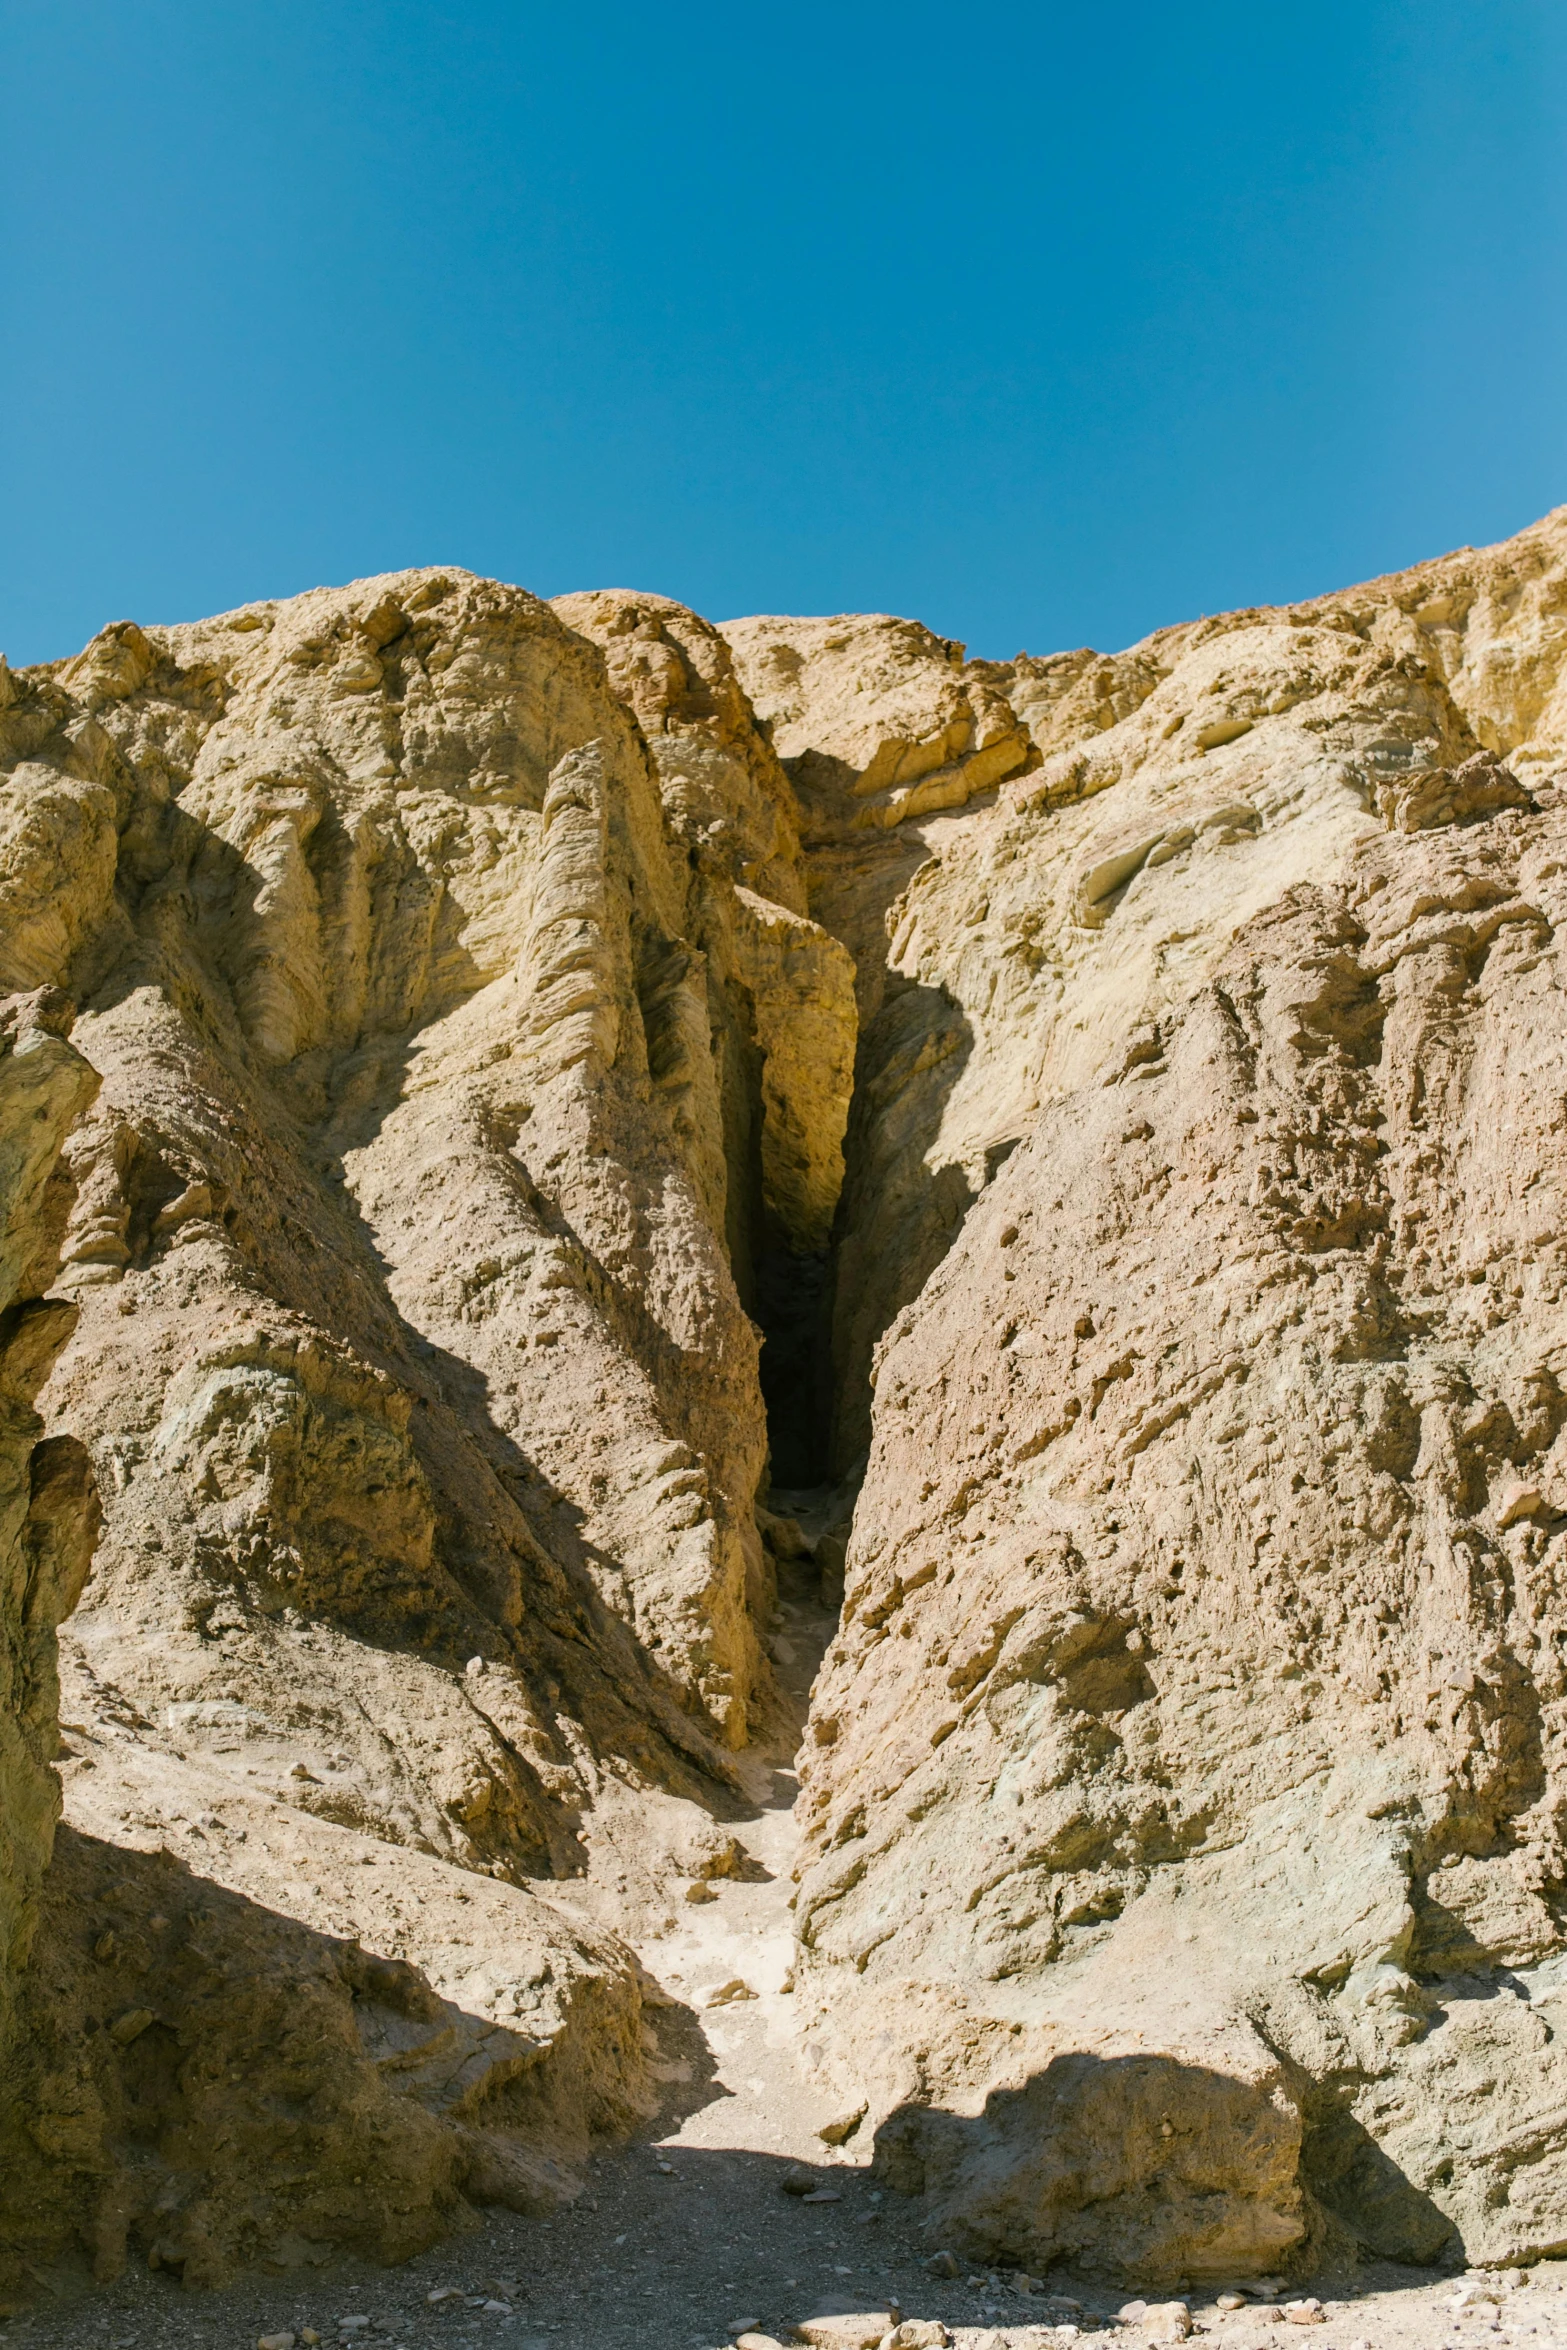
(1048, 324)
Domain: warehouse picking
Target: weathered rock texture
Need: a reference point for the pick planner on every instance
(759, 1055)
(883, 728)
(477, 990)
(1186, 1793)
(463, 1060)
(47, 1506)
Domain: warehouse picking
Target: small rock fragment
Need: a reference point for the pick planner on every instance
(1231, 2301)
(920, 2333)
(1132, 2313)
(822, 2195)
(130, 2026)
(1167, 2321)
(860, 2329)
(842, 2125)
(275, 2341)
(752, 2340)
(1304, 2313)
(444, 2293)
(943, 2264)
(797, 2182)
(729, 1993)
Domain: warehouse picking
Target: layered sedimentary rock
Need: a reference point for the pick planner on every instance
(1184, 1878)
(884, 730)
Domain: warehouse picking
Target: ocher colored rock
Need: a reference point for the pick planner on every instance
(1181, 1863)
(477, 990)
(447, 1119)
(877, 712)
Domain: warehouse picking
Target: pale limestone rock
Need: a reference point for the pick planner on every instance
(409, 1342)
(857, 2330)
(1205, 1586)
(751, 1024)
(1045, 935)
(730, 809)
(381, 928)
(477, 989)
(281, 1962)
(801, 983)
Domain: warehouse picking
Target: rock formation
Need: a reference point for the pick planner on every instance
(560, 1068)
(443, 1032)
(1184, 1865)
(47, 1506)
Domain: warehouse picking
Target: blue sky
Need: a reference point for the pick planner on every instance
(1048, 324)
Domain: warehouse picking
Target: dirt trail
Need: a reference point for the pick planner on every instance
(688, 2237)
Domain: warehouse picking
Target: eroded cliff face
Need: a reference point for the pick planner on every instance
(763, 1059)
(47, 1505)
(1184, 1868)
(440, 1027)
(564, 1066)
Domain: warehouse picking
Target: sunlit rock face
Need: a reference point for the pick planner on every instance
(510, 1087)
(466, 1054)
(1183, 1800)
(48, 1509)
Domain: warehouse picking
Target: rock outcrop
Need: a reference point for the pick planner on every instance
(465, 1063)
(765, 1059)
(559, 1069)
(884, 731)
(1184, 1804)
(47, 1504)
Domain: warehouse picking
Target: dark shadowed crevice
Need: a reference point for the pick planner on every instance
(793, 1307)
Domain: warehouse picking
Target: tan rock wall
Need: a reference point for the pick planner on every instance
(423, 1400)
(379, 1135)
(48, 1508)
(1184, 1879)
(478, 990)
